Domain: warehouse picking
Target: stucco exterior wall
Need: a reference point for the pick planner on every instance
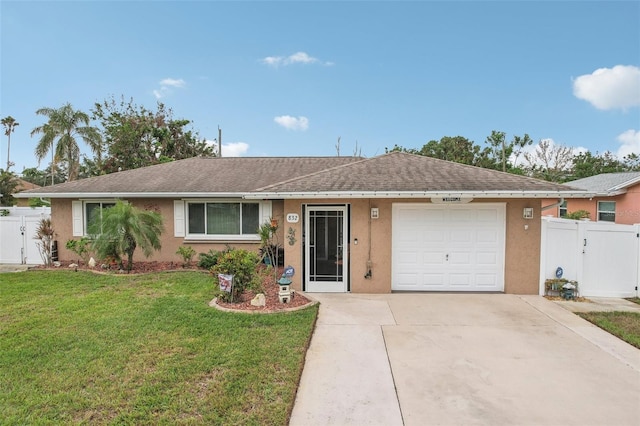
(522, 240)
(522, 246)
(627, 206)
(61, 219)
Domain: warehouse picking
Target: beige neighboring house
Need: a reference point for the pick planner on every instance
(24, 185)
(395, 222)
(615, 197)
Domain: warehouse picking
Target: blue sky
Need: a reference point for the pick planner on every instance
(289, 78)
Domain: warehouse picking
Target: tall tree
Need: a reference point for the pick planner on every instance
(59, 136)
(549, 161)
(8, 184)
(137, 137)
(587, 164)
(9, 123)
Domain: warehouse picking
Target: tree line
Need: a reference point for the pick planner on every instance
(129, 136)
(519, 155)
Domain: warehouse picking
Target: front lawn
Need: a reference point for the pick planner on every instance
(625, 325)
(76, 347)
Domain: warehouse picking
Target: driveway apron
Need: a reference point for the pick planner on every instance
(443, 359)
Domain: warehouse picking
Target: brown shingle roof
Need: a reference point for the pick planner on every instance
(398, 171)
(272, 176)
(230, 175)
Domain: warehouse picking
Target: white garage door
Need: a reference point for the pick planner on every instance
(448, 247)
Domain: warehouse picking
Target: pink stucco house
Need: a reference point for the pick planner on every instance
(616, 198)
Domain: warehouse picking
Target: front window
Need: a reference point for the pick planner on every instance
(93, 211)
(223, 218)
(562, 209)
(607, 211)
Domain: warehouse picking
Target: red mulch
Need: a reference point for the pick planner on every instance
(271, 288)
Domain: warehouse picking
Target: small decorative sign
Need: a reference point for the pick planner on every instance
(293, 217)
(451, 200)
(289, 271)
(226, 282)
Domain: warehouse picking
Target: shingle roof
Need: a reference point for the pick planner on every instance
(607, 182)
(398, 171)
(202, 175)
(272, 176)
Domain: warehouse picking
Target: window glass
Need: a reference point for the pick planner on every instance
(196, 218)
(607, 211)
(92, 211)
(562, 210)
(223, 218)
(250, 218)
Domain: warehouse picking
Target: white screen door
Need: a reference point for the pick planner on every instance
(326, 249)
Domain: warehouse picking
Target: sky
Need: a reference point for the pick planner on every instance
(292, 78)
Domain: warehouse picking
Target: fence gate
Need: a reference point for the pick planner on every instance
(17, 244)
(604, 258)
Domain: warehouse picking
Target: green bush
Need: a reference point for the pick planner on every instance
(187, 253)
(209, 259)
(242, 265)
(79, 247)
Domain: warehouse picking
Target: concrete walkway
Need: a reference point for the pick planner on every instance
(419, 359)
(10, 267)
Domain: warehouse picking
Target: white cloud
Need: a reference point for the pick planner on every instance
(610, 88)
(296, 58)
(630, 141)
(166, 85)
(234, 149)
(292, 123)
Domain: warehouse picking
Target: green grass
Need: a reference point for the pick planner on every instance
(625, 325)
(634, 300)
(76, 347)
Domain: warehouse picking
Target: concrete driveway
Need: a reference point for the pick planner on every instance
(451, 359)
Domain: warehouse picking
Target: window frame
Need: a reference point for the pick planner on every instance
(562, 209)
(188, 235)
(85, 219)
(607, 212)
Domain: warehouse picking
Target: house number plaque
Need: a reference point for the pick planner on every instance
(293, 217)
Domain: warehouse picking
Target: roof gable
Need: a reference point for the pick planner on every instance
(607, 182)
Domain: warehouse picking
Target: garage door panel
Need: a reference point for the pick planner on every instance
(486, 258)
(433, 280)
(457, 248)
(460, 258)
(432, 258)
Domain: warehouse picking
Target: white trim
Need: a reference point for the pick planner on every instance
(418, 194)
(264, 213)
(322, 194)
(179, 222)
(77, 218)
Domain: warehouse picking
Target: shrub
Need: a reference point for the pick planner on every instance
(578, 214)
(187, 253)
(79, 247)
(242, 265)
(209, 259)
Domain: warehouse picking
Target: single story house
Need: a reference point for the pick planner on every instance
(24, 185)
(615, 197)
(395, 222)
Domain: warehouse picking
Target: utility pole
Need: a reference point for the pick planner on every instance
(219, 142)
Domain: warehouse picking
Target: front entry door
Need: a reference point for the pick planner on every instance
(326, 249)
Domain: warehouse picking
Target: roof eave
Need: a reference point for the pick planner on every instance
(418, 194)
(130, 195)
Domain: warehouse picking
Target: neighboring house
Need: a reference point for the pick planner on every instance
(24, 185)
(616, 198)
(396, 222)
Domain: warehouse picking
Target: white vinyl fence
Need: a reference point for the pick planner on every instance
(17, 245)
(604, 258)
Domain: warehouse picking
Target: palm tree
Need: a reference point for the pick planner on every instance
(121, 228)
(9, 124)
(64, 126)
